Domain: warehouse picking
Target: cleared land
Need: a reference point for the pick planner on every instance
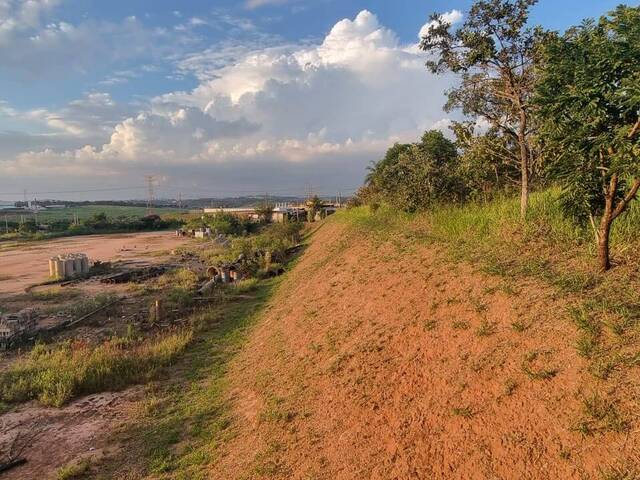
(27, 263)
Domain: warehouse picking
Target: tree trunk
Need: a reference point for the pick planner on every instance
(524, 165)
(524, 189)
(604, 261)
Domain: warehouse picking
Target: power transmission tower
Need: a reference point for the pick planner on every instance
(151, 179)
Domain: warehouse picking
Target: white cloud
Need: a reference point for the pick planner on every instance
(31, 43)
(322, 109)
(452, 17)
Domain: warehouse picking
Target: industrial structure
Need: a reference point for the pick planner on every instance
(68, 265)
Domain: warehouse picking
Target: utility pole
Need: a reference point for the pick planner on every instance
(180, 202)
(6, 224)
(150, 192)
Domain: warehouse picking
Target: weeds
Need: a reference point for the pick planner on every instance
(460, 325)
(600, 414)
(486, 328)
(465, 412)
(54, 375)
(73, 470)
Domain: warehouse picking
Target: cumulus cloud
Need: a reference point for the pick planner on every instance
(326, 109)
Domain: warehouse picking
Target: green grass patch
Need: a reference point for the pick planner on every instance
(56, 374)
(186, 418)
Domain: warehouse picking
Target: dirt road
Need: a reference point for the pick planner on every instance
(28, 263)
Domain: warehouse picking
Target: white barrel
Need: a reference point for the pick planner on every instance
(85, 264)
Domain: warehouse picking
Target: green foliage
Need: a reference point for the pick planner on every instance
(413, 177)
(222, 222)
(486, 164)
(54, 375)
(589, 99)
(495, 54)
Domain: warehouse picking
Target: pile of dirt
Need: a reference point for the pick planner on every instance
(382, 359)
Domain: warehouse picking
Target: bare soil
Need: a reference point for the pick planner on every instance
(28, 263)
(384, 360)
(78, 431)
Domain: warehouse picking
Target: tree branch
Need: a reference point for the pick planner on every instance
(622, 205)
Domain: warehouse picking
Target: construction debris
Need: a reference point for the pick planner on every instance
(134, 275)
(13, 325)
(68, 265)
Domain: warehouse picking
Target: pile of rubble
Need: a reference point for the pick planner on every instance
(13, 325)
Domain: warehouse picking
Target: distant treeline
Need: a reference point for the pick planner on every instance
(97, 223)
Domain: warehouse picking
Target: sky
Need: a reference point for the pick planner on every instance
(219, 97)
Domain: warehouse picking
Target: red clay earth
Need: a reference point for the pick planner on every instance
(383, 360)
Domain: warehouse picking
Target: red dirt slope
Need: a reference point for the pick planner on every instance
(383, 360)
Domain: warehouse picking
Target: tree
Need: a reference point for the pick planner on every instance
(314, 205)
(265, 212)
(589, 97)
(486, 163)
(495, 54)
(415, 176)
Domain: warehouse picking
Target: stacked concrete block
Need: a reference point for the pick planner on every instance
(68, 265)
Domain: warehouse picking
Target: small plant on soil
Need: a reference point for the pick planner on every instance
(600, 414)
(465, 412)
(486, 328)
(73, 470)
(460, 325)
(510, 386)
(519, 326)
(541, 373)
(429, 325)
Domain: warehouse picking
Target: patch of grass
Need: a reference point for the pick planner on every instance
(55, 374)
(620, 472)
(519, 326)
(460, 325)
(510, 386)
(275, 410)
(73, 470)
(600, 414)
(537, 373)
(87, 305)
(465, 412)
(429, 325)
(486, 328)
(192, 408)
(58, 294)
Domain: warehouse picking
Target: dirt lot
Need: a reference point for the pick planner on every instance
(27, 264)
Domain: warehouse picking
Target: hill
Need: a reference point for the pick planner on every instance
(379, 357)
